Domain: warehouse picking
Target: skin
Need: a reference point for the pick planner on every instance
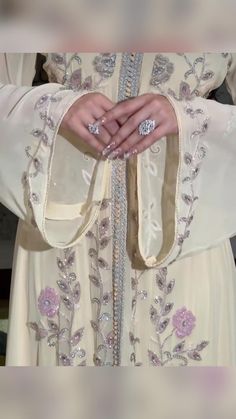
(119, 136)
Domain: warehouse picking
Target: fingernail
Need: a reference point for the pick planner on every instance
(129, 154)
(108, 148)
(114, 154)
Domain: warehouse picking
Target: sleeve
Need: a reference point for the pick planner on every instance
(198, 199)
(30, 153)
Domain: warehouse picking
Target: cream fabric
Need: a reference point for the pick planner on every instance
(184, 215)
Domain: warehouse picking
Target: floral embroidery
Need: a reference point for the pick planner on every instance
(142, 294)
(105, 64)
(60, 310)
(48, 302)
(162, 70)
(101, 239)
(183, 322)
(197, 69)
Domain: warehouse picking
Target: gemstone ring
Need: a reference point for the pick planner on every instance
(146, 127)
(94, 128)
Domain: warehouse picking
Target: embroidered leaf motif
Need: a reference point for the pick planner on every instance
(105, 204)
(202, 153)
(72, 277)
(70, 260)
(167, 309)
(163, 325)
(188, 73)
(104, 242)
(183, 359)
(153, 358)
(180, 239)
(76, 338)
(179, 347)
(92, 252)
(104, 226)
(95, 280)
(94, 325)
(102, 263)
(186, 179)
(87, 83)
(132, 339)
(170, 286)
(90, 235)
(188, 158)
(153, 314)
(208, 75)
(198, 60)
(61, 265)
(40, 332)
(187, 199)
(106, 298)
(134, 283)
(195, 172)
(65, 360)
(63, 286)
(75, 79)
(158, 300)
(194, 355)
(52, 340)
(67, 302)
(53, 327)
(76, 293)
(184, 90)
(160, 282)
(202, 345)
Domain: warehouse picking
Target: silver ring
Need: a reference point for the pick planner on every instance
(94, 128)
(147, 126)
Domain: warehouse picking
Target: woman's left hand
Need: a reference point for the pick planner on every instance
(130, 113)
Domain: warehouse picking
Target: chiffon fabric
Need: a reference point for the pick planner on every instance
(120, 263)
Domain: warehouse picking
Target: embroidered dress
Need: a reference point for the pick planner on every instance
(120, 263)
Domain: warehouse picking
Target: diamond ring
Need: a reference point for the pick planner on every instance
(94, 128)
(147, 126)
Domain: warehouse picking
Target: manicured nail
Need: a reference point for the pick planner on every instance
(129, 154)
(108, 148)
(114, 154)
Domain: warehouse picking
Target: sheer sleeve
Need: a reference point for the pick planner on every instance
(198, 191)
(31, 157)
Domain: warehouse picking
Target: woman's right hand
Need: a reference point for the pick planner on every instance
(87, 110)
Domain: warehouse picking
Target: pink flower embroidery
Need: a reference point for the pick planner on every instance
(183, 322)
(48, 302)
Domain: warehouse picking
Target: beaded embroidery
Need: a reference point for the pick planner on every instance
(60, 309)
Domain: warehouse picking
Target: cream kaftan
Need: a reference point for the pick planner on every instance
(120, 264)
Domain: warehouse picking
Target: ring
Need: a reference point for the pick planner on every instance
(147, 126)
(94, 128)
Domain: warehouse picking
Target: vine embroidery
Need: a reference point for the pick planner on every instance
(183, 322)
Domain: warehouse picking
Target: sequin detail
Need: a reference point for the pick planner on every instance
(182, 322)
(60, 307)
(105, 64)
(99, 239)
(128, 87)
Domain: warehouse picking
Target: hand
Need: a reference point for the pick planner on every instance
(87, 110)
(127, 141)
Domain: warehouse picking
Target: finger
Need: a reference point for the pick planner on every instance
(91, 140)
(146, 142)
(131, 127)
(124, 108)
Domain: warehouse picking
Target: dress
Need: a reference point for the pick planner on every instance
(120, 263)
